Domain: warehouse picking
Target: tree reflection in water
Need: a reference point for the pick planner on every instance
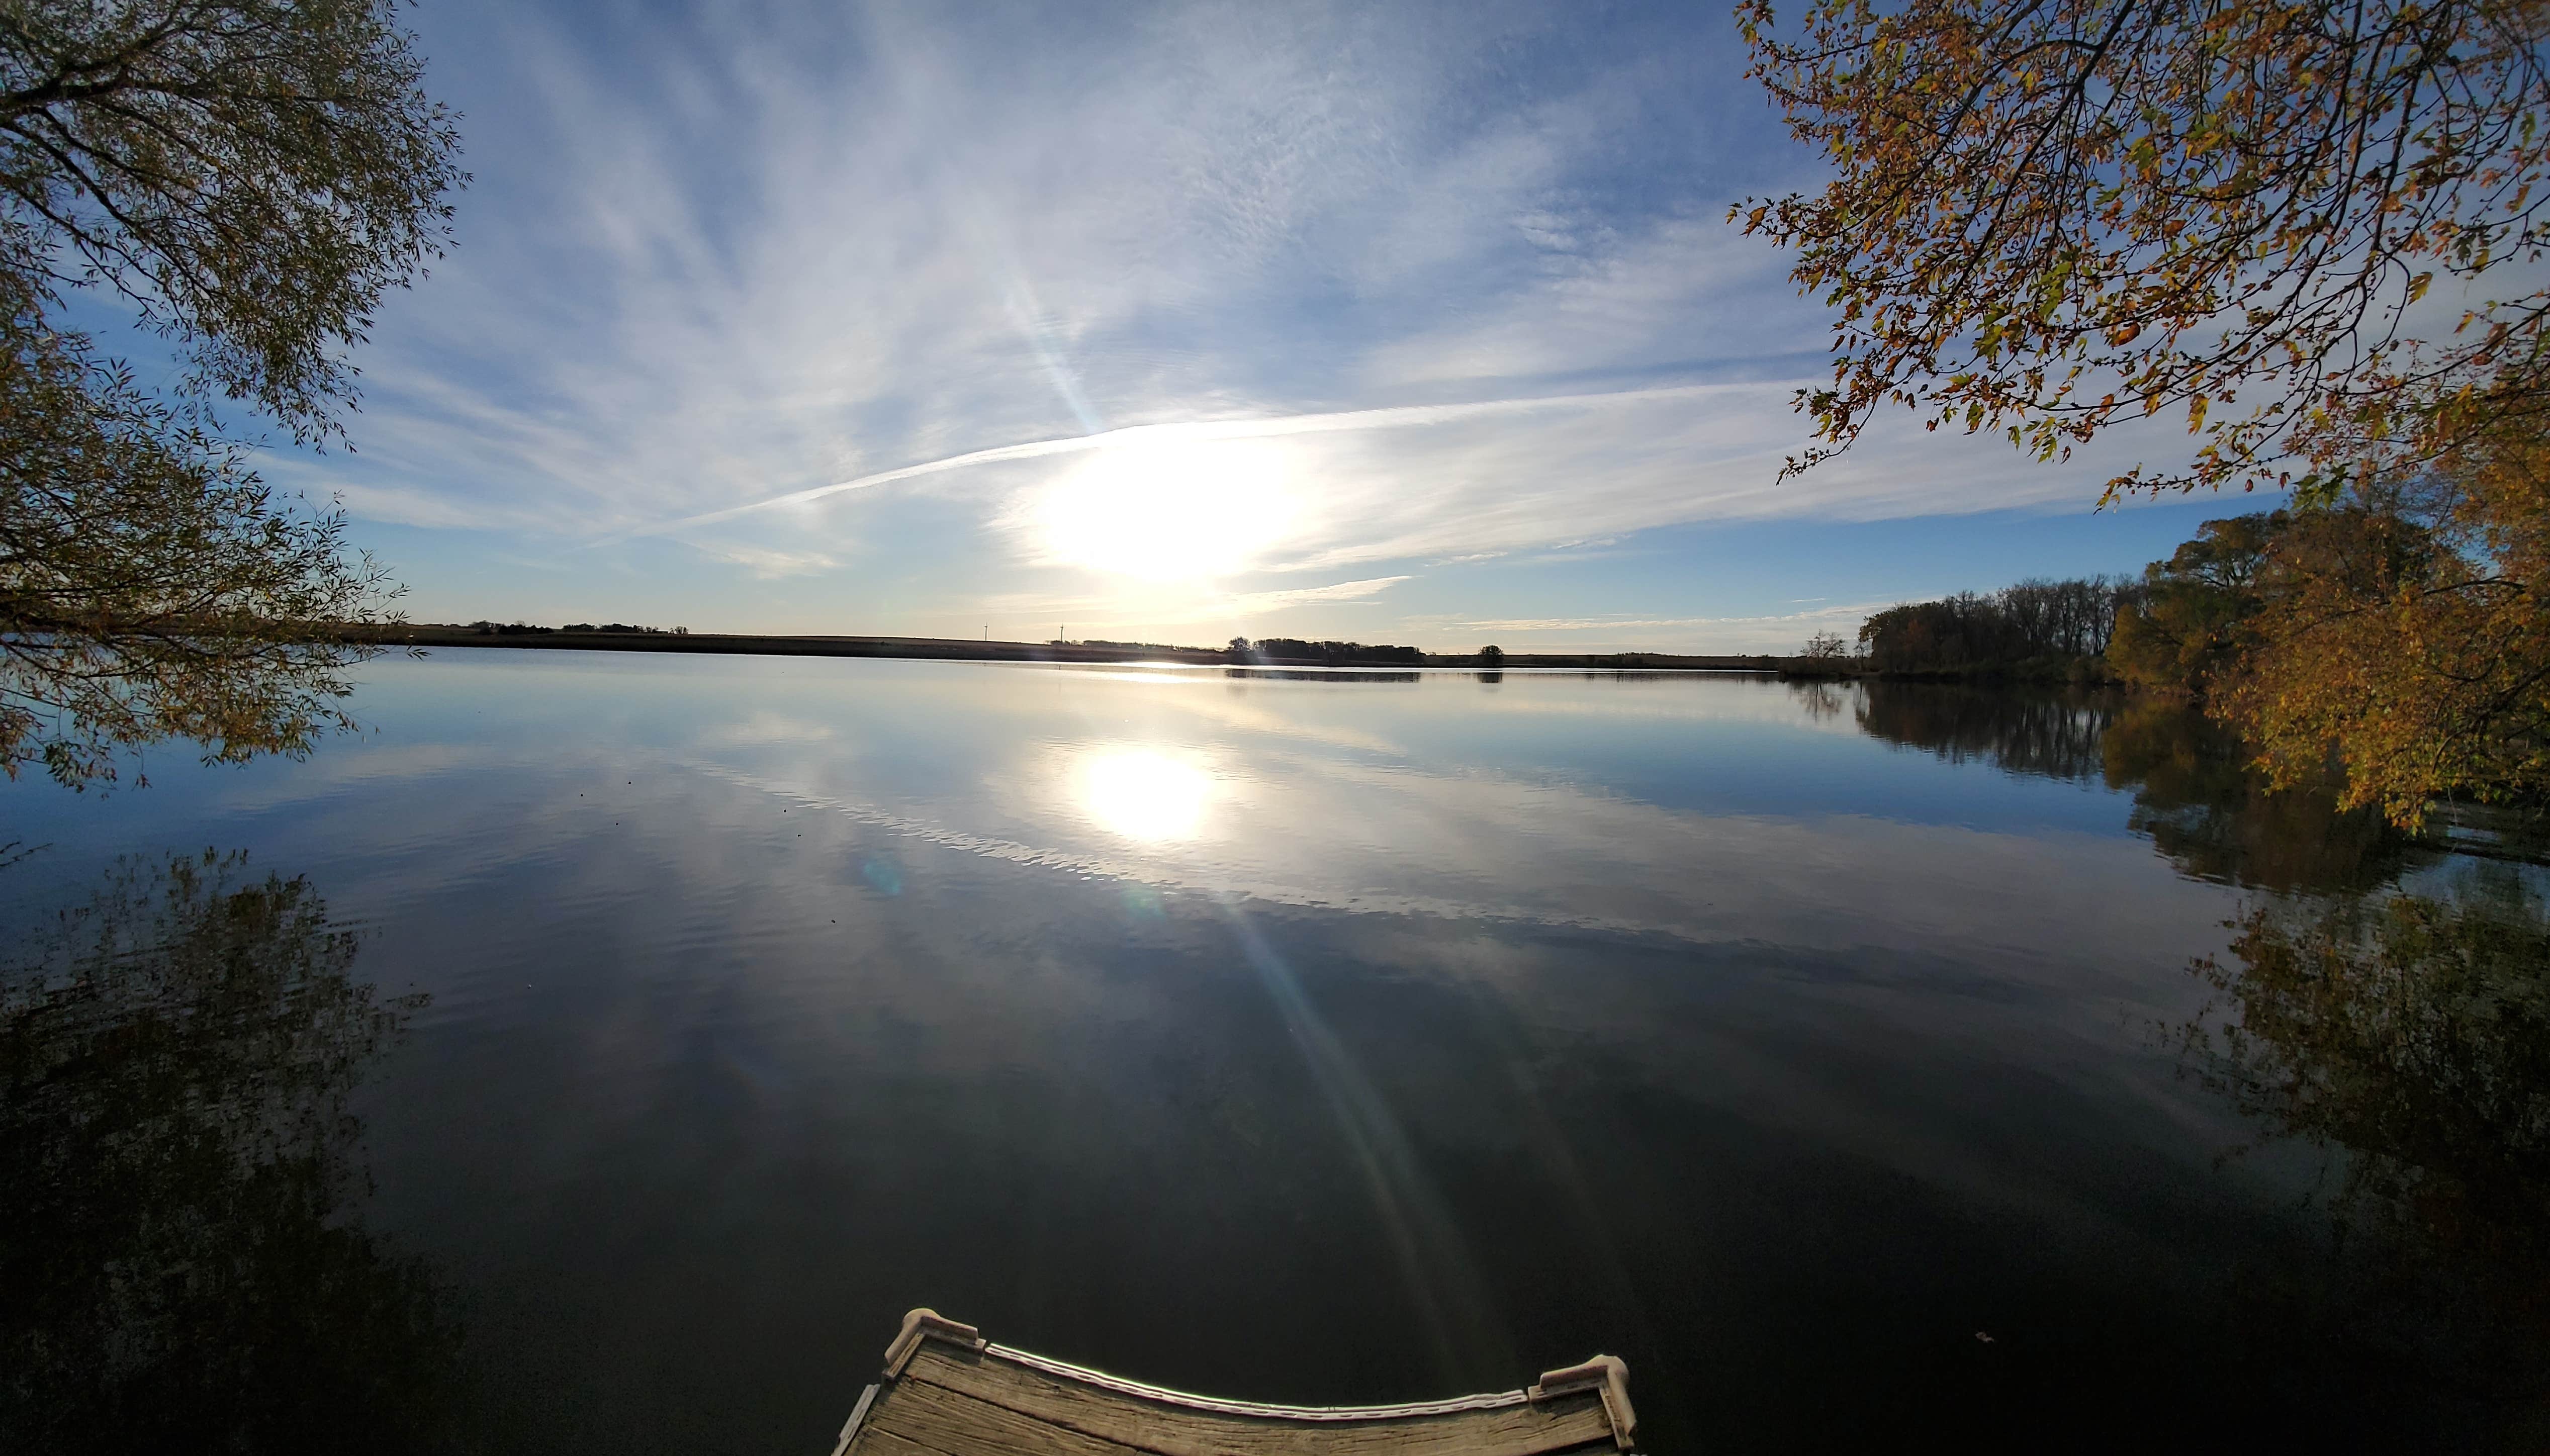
(2052, 734)
(2217, 820)
(2408, 1033)
(176, 1169)
(2194, 797)
(2412, 1031)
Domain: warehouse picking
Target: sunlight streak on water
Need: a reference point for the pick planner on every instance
(1442, 1278)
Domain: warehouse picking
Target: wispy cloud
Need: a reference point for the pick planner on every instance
(814, 288)
(1203, 431)
(1616, 622)
(1180, 606)
(770, 565)
(1344, 591)
(1767, 632)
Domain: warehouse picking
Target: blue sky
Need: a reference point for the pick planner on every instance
(1408, 322)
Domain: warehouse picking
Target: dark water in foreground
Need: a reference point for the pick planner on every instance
(607, 1050)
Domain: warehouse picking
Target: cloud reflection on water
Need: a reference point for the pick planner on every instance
(1446, 1031)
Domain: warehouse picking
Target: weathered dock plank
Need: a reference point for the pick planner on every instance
(1521, 1429)
(928, 1411)
(948, 1391)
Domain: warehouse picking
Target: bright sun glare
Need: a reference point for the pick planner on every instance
(1145, 794)
(1168, 510)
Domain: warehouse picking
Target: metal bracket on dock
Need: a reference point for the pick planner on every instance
(926, 1324)
(1609, 1373)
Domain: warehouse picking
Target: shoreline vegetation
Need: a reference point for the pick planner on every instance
(2391, 642)
(1272, 652)
(2039, 632)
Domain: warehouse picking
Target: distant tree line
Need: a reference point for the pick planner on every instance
(2036, 629)
(2401, 633)
(486, 628)
(1334, 654)
(1125, 646)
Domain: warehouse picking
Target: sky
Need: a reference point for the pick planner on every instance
(1406, 322)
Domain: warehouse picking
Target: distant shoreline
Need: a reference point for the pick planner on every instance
(964, 650)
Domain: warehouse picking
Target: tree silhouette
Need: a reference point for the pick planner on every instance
(247, 178)
(2045, 220)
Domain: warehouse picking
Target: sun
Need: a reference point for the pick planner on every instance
(1145, 794)
(1168, 510)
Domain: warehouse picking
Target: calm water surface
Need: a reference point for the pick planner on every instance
(1824, 1051)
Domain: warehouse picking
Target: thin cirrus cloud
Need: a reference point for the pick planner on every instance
(1613, 625)
(1204, 432)
(1103, 609)
(1344, 591)
(1357, 290)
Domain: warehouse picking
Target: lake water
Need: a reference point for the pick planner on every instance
(1822, 1050)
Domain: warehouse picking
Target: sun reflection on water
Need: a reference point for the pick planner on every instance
(1145, 794)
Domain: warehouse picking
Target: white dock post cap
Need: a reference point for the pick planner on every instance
(1608, 1373)
(926, 1324)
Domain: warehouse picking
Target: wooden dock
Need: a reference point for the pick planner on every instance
(949, 1392)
